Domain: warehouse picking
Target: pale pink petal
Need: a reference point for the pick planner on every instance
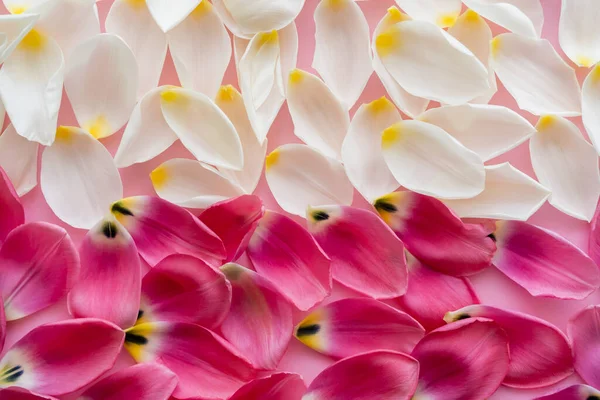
(443, 13)
(280, 386)
(18, 157)
(263, 16)
(525, 17)
(11, 210)
(168, 14)
(583, 331)
(574, 392)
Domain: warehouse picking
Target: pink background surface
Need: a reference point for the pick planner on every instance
(492, 287)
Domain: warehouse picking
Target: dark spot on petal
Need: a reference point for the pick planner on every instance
(593, 398)
(11, 375)
(135, 339)
(493, 237)
(320, 216)
(382, 205)
(308, 330)
(462, 316)
(118, 208)
(140, 314)
(109, 230)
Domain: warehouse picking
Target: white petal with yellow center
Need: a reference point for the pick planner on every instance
(525, 17)
(443, 13)
(14, 28)
(579, 31)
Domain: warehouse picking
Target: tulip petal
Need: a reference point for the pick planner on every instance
(540, 354)
(18, 158)
(285, 253)
(11, 211)
(234, 221)
(582, 331)
(574, 392)
(427, 160)
(81, 166)
(440, 12)
(39, 266)
(15, 393)
(2, 325)
(449, 246)
(14, 28)
(279, 386)
(390, 375)
(524, 17)
(589, 104)
(578, 32)
(206, 365)
(61, 357)
(168, 14)
(465, 360)
(160, 228)
(299, 176)
(377, 267)
(263, 16)
(567, 164)
(535, 75)
(183, 288)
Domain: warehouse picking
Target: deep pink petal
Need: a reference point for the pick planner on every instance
(544, 263)
(378, 375)
(160, 228)
(285, 253)
(259, 322)
(15, 393)
(435, 235)
(431, 294)
(280, 386)
(110, 280)
(594, 240)
(365, 254)
(466, 360)
(183, 288)
(62, 357)
(574, 392)
(39, 266)
(2, 326)
(11, 210)
(584, 332)
(234, 221)
(540, 354)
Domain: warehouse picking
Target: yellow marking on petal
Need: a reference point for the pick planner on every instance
(584, 61)
(202, 9)
(232, 271)
(98, 127)
(390, 136)
(471, 16)
(159, 177)
(268, 38)
(136, 3)
(227, 93)
(272, 159)
(495, 45)
(387, 42)
(296, 76)
(133, 344)
(335, 4)
(17, 9)
(33, 41)
(545, 122)
(595, 74)
(121, 209)
(172, 95)
(64, 133)
(394, 15)
(388, 205)
(380, 105)
(312, 340)
(447, 20)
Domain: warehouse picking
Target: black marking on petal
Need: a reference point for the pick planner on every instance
(118, 208)
(109, 229)
(382, 205)
(135, 339)
(140, 315)
(320, 216)
(308, 330)
(493, 237)
(593, 397)
(462, 316)
(11, 375)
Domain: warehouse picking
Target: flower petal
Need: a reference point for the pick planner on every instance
(18, 157)
(14, 28)
(39, 266)
(2, 325)
(582, 330)
(567, 164)
(15, 393)
(285, 253)
(427, 160)
(540, 354)
(589, 104)
(377, 267)
(574, 392)
(524, 17)
(535, 75)
(11, 210)
(81, 166)
(441, 12)
(449, 246)
(578, 32)
(168, 15)
(263, 16)
(279, 386)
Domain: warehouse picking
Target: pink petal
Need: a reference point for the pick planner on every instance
(352, 326)
(583, 331)
(259, 323)
(544, 263)
(435, 235)
(431, 294)
(540, 354)
(62, 357)
(594, 244)
(466, 360)
(160, 228)
(15, 393)
(365, 254)
(279, 386)
(574, 392)
(234, 222)
(207, 366)
(2, 326)
(11, 210)
(110, 282)
(378, 375)
(285, 253)
(39, 266)
(140, 382)
(183, 288)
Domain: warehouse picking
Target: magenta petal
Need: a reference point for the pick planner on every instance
(160, 228)
(2, 326)
(62, 357)
(234, 221)
(583, 331)
(594, 240)
(259, 322)
(466, 360)
(39, 266)
(540, 354)
(365, 254)
(285, 253)
(431, 294)
(183, 288)
(544, 263)
(110, 281)
(11, 210)
(574, 392)
(435, 235)
(280, 386)
(378, 375)
(15, 393)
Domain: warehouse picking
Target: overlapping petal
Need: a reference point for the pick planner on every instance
(168, 14)
(574, 392)
(18, 158)
(578, 32)
(523, 17)
(11, 210)
(590, 101)
(14, 28)
(582, 330)
(280, 386)
(441, 12)
(16, 393)
(246, 19)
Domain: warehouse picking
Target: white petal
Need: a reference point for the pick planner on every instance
(168, 13)
(201, 49)
(202, 128)
(191, 184)
(472, 31)
(342, 51)
(426, 159)
(299, 176)
(101, 82)
(361, 151)
(525, 17)
(508, 194)
(288, 54)
(239, 48)
(79, 179)
(147, 134)
(230, 101)
(428, 62)
(488, 130)
(441, 12)
(320, 120)
(535, 75)
(590, 104)
(18, 158)
(14, 28)
(263, 15)
(579, 31)
(132, 21)
(21, 6)
(567, 164)
(229, 22)
(31, 83)
(409, 104)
